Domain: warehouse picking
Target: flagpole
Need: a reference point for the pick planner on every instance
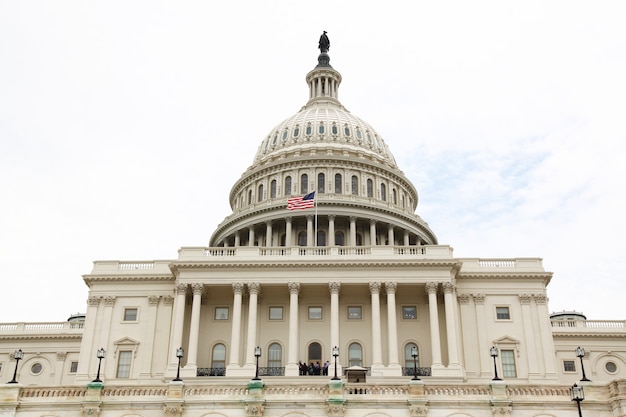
(315, 202)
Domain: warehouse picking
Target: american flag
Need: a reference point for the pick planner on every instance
(301, 203)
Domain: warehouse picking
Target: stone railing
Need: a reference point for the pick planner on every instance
(589, 324)
(42, 327)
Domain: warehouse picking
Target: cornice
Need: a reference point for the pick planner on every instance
(505, 275)
(582, 333)
(40, 336)
(88, 278)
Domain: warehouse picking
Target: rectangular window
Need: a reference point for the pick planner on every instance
(276, 313)
(508, 364)
(315, 313)
(130, 314)
(409, 312)
(502, 313)
(221, 313)
(73, 367)
(123, 364)
(355, 313)
(569, 366)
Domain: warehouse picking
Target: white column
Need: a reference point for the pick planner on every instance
(237, 239)
(352, 231)
(406, 238)
(309, 231)
(373, 232)
(390, 237)
(435, 341)
(334, 288)
(292, 355)
(377, 359)
(149, 335)
(545, 330)
(391, 287)
(253, 289)
(453, 346)
(179, 320)
(58, 368)
(268, 233)
(194, 326)
(288, 231)
(251, 236)
(236, 325)
(483, 342)
(331, 231)
(89, 341)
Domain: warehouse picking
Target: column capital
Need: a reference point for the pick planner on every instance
(372, 222)
(540, 298)
(525, 298)
(93, 300)
(288, 219)
(431, 287)
(168, 300)
(238, 288)
(331, 217)
(294, 287)
(197, 288)
(181, 289)
(153, 300)
(309, 217)
(448, 287)
(61, 356)
(479, 298)
(391, 287)
(334, 287)
(374, 287)
(109, 300)
(463, 298)
(268, 222)
(254, 288)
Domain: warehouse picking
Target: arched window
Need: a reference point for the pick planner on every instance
(287, 186)
(315, 352)
(321, 238)
(408, 359)
(321, 179)
(321, 128)
(355, 354)
(302, 239)
(249, 196)
(218, 358)
(296, 131)
(346, 130)
(285, 134)
(339, 239)
(273, 189)
(308, 130)
(338, 183)
(334, 129)
(304, 181)
(274, 356)
(394, 195)
(383, 192)
(259, 196)
(370, 188)
(355, 185)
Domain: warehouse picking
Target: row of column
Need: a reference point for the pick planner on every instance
(293, 348)
(311, 237)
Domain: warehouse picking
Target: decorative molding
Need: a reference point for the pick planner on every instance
(109, 300)
(93, 301)
(153, 300)
(374, 287)
(238, 288)
(294, 287)
(479, 298)
(391, 287)
(431, 287)
(525, 298)
(168, 300)
(463, 298)
(334, 287)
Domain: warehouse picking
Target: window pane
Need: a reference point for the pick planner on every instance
(276, 313)
(502, 313)
(408, 356)
(304, 184)
(219, 356)
(354, 313)
(73, 367)
(355, 355)
(569, 366)
(339, 240)
(409, 312)
(370, 188)
(123, 364)
(315, 313)
(274, 356)
(355, 185)
(321, 179)
(273, 189)
(130, 314)
(321, 238)
(287, 186)
(508, 364)
(221, 313)
(383, 192)
(337, 183)
(259, 197)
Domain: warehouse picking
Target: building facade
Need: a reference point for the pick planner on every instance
(350, 307)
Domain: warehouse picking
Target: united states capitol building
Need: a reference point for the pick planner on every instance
(351, 307)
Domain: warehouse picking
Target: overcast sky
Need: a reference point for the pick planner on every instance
(123, 125)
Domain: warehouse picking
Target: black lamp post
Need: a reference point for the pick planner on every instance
(100, 355)
(335, 354)
(257, 353)
(18, 355)
(580, 352)
(494, 354)
(414, 353)
(180, 352)
(578, 395)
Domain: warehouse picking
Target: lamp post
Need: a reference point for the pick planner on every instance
(580, 352)
(494, 354)
(335, 354)
(414, 353)
(257, 353)
(180, 352)
(100, 355)
(18, 355)
(578, 395)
